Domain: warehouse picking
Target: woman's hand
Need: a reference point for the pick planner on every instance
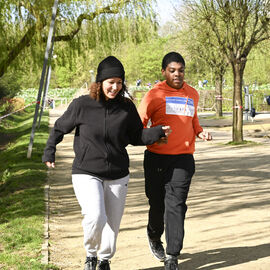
(204, 135)
(50, 164)
(167, 130)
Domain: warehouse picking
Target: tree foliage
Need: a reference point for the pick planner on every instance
(199, 41)
(237, 26)
(258, 65)
(143, 61)
(83, 25)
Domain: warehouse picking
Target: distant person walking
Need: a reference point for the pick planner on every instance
(138, 83)
(169, 167)
(105, 123)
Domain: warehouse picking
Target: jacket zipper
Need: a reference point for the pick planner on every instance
(106, 138)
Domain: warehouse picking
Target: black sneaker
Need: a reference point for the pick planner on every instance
(171, 263)
(104, 265)
(90, 263)
(156, 249)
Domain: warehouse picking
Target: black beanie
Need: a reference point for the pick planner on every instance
(172, 57)
(108, 68)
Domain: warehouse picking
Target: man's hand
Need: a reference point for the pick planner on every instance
(204, 135)
(50, 164)
(167, 130)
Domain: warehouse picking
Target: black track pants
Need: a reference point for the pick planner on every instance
(167, 182)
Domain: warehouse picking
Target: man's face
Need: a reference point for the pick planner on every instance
(174, 74)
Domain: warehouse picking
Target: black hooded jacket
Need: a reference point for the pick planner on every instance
(103, 130)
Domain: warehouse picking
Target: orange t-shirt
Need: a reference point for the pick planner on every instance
(177, 108)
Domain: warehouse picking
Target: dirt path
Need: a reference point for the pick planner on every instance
(228, 218)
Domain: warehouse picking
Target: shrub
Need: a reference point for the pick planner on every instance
(8, 86)
(8, 105)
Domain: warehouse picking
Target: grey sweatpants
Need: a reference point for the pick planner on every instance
(102, 203)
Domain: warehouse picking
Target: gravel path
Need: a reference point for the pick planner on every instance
(228, 218)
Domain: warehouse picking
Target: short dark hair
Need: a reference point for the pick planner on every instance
(172, 57)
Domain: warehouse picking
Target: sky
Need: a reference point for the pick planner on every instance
(165, 9)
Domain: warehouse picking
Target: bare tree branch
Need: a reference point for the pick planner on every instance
(81, 18)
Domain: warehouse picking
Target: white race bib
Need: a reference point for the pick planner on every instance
(180, 106)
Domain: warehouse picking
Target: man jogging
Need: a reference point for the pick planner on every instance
(169, 167)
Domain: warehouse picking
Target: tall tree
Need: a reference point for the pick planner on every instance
(238, 26)
(199, 42)
(23, 24)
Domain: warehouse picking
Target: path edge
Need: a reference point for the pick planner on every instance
(46, 235)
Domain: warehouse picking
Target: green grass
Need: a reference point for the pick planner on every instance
(22, 194)
(243, 143)
(214, 117)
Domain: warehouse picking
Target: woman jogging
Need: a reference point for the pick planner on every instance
(105, 123)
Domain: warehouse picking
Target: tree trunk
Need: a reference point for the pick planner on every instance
(218, 91)
(237, 132)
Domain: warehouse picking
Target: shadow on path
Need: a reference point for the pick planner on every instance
(220, 258)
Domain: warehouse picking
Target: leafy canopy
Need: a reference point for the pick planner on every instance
(83, 25)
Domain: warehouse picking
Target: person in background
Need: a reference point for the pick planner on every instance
(205, 83)
(169, 167)
(138, 83)
(105, 122)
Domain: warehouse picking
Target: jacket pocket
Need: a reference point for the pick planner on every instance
(83, 153)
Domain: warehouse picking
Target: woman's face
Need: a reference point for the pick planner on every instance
(111, 87)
